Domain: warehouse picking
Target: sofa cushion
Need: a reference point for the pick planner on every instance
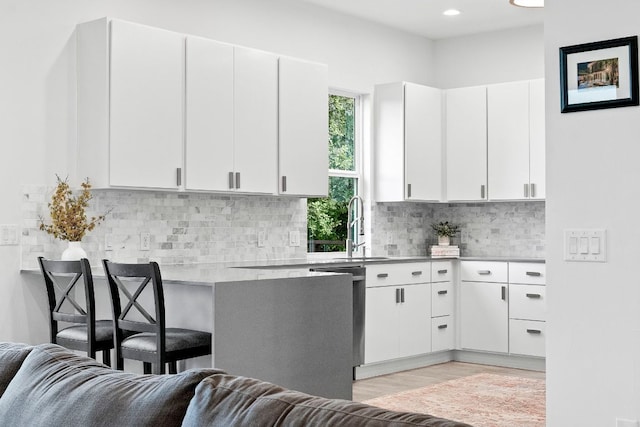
(11, 357)
(225, 400)
(56, 387)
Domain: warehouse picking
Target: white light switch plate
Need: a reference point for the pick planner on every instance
(294, 238)
(586, 245)
(8, 234)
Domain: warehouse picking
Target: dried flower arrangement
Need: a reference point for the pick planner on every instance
(68, 218)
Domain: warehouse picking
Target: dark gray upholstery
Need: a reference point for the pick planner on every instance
(55, 387)
(176, 339)
(104, 331)
(11, 357)
(50, 386)
(226, 400)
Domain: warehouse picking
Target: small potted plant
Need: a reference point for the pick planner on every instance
(69, 221)
(445, 231)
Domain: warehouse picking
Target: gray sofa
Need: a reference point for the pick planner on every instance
(48, 385)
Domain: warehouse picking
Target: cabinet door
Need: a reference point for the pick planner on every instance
(303, 131)
(414, 320)
(209, 114)
(484, 321)
(537, 140)
(423, 142)
(381, 324)
(508, 140)
(146, 92)
(466, 130)
(255, 120)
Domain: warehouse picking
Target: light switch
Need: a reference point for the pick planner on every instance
(584, 245)
(588, 245)
(573, 245)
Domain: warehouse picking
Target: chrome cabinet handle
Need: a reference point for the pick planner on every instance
(401, 294)
(443, 271)
(416, 273)
(442, 292)
(383, 275)
(482, 191)
(534, 331)
(231, 184)
(179, 177)
(504, 293)
(442, 326)
(534, 296)
(397, 295)
(284, 183)
(533, 273)
(237, 179)
(526, 190)
(533, 190)
(484, 272)
(408, 190)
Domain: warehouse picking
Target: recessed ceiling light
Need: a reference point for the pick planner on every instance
(451, 12)
(527, 3)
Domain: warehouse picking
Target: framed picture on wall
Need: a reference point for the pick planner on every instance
(599, 75)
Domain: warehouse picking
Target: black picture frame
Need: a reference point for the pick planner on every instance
(599, 75)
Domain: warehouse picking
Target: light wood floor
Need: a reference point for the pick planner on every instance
(422, 377)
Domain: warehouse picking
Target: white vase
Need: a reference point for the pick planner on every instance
(73, 252)
(444, 240)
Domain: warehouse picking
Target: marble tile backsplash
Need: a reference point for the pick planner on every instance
(491, 228)
(194, 227)
(184, 227)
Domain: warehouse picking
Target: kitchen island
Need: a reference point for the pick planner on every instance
(291, 327)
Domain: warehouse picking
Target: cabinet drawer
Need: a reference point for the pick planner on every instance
(441, 271)
(482, 271)
(528, 273)
(442, 333)
(442, 299)
(397, 274)
(527, 337)
(527, 302)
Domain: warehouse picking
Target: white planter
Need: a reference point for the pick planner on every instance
(73, 252)
(444, 240)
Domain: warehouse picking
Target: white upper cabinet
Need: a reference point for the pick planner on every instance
(508, 140)
(537, 182)
(303, 130)
(516, 140)
(231, 118)
(408, 142)
(255, 121)
(209, 115)
(466, 142)
(130, 108)
(163, 110)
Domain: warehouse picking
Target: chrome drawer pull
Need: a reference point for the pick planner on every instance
(383, 275)
(534, 273)
(533, 295)
(397, 295)
(484, 272)
(442, 326)
(416, 273)
(442, 292)
(401, 294)
(442, 271)
(504, 293)
(534, 331)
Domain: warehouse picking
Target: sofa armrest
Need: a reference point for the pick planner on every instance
(11, 357)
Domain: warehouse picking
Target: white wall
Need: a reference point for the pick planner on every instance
(593, 345)
(37, 87)
(492, 57)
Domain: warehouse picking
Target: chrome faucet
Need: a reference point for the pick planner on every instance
(351, 222)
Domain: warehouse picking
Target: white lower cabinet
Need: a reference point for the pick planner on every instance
(527, 307)
(398, 315)
(442, 306)
(484, 310)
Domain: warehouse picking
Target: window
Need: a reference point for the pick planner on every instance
(327, 217)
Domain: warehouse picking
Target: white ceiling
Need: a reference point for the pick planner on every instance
(424, 17)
